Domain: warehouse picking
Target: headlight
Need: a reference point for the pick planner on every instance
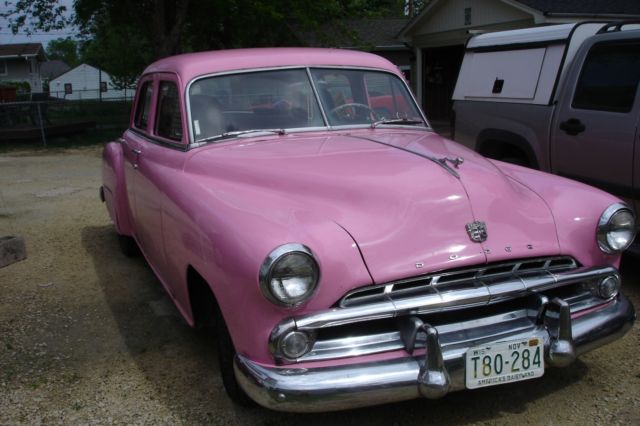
(289, 275)
(616, 229)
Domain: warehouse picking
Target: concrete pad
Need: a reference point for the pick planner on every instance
(12, 249)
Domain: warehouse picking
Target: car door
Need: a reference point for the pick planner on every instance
(159, 162)
(594, 134)
(132, 144)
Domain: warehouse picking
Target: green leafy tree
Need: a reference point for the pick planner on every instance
(64, 49)
(35, 15)
(122, 37)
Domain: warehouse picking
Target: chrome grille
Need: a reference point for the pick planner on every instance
(447, 282)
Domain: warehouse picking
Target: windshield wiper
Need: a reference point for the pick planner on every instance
(396, 121)
(236, 133)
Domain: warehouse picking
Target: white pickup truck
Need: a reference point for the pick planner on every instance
(561, 98)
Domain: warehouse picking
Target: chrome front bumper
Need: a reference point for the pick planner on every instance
(441, 370)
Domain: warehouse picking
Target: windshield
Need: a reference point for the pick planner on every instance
(285, 99)
(363, 97)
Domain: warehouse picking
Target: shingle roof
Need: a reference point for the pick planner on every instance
(356, 33)
(607, 7)
(377, 32)
(54, 68)
(21, 49)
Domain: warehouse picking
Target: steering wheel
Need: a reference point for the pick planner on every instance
(342, 111)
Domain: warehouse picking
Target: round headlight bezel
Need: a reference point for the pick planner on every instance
(270, 265)
(605, 226)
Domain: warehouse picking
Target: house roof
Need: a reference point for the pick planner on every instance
(580, 9)
(585, 7)
(21, 50)
(378, 34)
(54, 68)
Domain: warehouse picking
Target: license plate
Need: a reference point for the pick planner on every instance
(504, 362)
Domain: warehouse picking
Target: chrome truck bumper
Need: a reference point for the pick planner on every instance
(439, 371)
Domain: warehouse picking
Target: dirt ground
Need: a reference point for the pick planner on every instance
(87, 336)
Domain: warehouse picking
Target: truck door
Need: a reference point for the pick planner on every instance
(595, 127)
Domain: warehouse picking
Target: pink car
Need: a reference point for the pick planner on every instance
(346, 254)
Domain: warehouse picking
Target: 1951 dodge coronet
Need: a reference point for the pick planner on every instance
(298, 201)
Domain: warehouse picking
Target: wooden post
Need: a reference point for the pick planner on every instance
(44, 138)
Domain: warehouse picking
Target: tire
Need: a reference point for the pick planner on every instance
(226, 355)
(128, 246)
(517, 160)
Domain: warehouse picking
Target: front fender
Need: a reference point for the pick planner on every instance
(576, 209)
(239, 226)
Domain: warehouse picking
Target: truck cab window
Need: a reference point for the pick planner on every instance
(609, 78)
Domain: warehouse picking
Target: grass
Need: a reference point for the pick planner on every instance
(89, 138)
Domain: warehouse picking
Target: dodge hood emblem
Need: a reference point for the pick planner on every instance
(477, 231)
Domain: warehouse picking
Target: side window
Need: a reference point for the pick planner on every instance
(168, 119)
(609, 78)
(144, 105)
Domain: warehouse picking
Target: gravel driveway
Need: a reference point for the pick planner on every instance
(88, 335)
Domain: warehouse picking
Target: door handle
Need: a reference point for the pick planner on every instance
(572, 126)
(137, 152)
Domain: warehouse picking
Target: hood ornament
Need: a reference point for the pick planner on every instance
(455, 162)
(477, 231)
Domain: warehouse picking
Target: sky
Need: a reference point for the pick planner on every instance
(7, 37)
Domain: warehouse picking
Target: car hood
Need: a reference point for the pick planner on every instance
(406, 213)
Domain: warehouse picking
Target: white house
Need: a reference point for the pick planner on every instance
(86, 82)
(21, 63)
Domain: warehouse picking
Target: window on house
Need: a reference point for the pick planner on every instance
(68, 89)
(609, 78)
(144, 105)
(467, 16)
(3, 67)
(103, 86)
(168, 118)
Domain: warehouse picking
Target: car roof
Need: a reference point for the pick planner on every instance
(191, 65)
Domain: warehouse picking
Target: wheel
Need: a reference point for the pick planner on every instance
(226, 355)
(128, 246)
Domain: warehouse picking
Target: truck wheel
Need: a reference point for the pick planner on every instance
(518, 160)
(128, 246)
(502, 151)
(226, 355)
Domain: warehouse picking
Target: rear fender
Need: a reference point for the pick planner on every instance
(114, 187)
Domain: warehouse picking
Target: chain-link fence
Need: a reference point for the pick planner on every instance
(43, 120)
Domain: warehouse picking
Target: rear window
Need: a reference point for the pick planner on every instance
(144, 105)
(609, 78)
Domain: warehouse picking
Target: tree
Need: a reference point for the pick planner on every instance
(64, 49)
(122, 37)
(35, 15)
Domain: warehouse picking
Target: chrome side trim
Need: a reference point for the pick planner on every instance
(350, 386)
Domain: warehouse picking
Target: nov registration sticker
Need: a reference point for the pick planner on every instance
(504, 362)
